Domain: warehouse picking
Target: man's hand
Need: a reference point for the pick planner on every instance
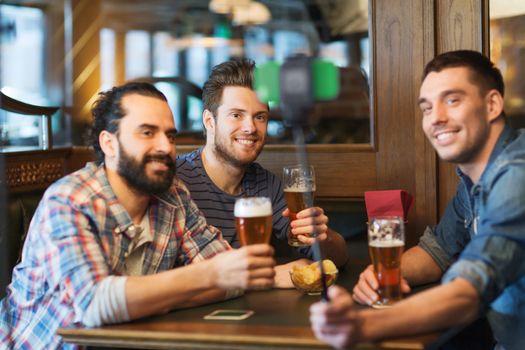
(365, 291)
(282, 274)
(310, 222)
(250, 267)
(336, 322)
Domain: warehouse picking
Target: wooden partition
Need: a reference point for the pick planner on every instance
(462, 25)
(405, 35)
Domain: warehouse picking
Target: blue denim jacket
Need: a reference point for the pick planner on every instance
(481, 238)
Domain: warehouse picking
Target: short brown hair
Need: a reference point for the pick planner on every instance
(236, 72)
(483, 73)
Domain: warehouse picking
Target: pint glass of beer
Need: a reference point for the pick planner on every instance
(386, 242)
(253, 220)
(299, 190)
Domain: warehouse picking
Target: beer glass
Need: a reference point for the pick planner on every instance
(299, 190)
(253, 220)
(386, 242)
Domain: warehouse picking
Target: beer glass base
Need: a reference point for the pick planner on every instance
(297, 244)
(313, 293)
(384, 303)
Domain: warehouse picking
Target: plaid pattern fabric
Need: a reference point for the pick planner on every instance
(79, 235)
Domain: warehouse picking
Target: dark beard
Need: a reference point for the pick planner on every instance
(134, 173)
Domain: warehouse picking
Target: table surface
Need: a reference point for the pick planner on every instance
(280, 321)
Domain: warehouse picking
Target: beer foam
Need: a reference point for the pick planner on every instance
(300, 188)
(386, 243)
(250, 207)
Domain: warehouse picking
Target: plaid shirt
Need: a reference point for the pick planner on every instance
(80, 234)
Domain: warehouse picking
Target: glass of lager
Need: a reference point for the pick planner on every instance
(253, 220)
(299, 190)
(386, 242)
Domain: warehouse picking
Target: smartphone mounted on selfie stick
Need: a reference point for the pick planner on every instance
(295, 86)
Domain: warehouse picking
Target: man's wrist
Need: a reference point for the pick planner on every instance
(207, 269)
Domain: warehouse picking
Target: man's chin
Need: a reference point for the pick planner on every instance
(245, 160)
(158, 174)
(454, 158)
(248, 156)
(159, 177)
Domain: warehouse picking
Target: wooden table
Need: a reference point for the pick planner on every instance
(280, 321)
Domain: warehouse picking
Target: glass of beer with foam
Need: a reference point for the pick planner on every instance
(386, 242)
(299, 190)
(253, 220)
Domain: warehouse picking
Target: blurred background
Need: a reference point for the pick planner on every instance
(63, 52)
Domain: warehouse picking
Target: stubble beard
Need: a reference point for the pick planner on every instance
(474, 146)
(221, 152)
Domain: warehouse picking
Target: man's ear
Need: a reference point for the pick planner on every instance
(108, 144)
(494, 104)
(209, 122)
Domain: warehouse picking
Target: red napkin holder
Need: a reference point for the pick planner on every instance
(388, 203)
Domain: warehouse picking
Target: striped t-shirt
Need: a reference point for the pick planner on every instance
(218, 206)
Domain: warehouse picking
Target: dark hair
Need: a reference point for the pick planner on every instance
(107, 109)
(236, 72)
(483, 73)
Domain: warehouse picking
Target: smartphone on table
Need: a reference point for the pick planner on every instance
(225, 314)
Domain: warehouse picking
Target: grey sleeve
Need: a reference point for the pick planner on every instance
(428, 242)
(108, 304)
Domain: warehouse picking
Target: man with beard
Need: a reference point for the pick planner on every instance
(224, 170)
(120, 239)
(478, 247)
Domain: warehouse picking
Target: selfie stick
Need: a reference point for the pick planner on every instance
(302, 158)
(296, 85)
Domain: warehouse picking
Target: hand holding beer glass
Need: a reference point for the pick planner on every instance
(253, 220)
(386, 242)
(299, 189)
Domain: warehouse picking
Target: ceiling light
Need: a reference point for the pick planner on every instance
(226, 6)
(253, 13)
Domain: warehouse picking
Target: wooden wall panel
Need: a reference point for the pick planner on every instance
(34, 170)
(405, 35)
(460, 24)
(426, 182)
(87, 21)
(341, 171)
(120, 57)
(404, 160)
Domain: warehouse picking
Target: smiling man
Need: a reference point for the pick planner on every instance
(236, 122)
(478, 247)
(120, 239)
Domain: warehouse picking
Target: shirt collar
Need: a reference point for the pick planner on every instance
(507, 135)
(119, 213)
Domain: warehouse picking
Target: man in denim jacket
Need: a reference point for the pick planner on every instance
(478, 247)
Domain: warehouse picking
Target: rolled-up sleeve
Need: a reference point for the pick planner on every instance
(495, 257)
(430, 244)
(490, 265)
(445, 241)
